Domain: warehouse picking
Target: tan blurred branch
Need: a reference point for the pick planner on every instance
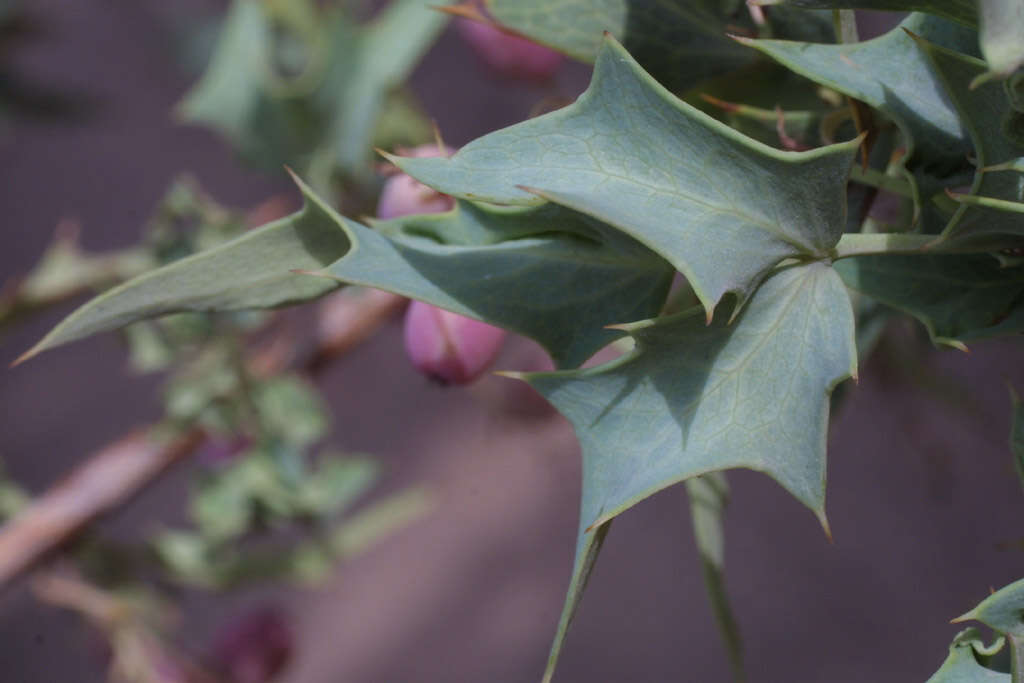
(104, 481)
(115, 473)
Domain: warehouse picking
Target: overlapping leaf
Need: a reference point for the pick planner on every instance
(548, 272)
(958, 297)
(332, 105)
(695, 398)
(962, 666)
(679, 42)
(894, 75)
(991, 122)
(723, 209)
(1001, 612)
(963, 11)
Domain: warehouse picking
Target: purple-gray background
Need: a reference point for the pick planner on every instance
(921, 490)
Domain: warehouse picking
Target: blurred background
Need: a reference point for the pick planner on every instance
(922, 498)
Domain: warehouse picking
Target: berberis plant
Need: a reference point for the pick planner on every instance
(805, 185)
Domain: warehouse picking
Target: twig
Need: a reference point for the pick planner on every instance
(103, 482)
(115, 473)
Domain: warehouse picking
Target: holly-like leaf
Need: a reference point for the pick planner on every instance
(1001, 612)
(962, 11)
(251, 271)
(992, 125)
(722, 208)
(958, 297)
(962, 666)
(693, 398)
(892, 74)
(1002, 35)
(679, 42)
(548, 272)
(709, 495)
(332, 104)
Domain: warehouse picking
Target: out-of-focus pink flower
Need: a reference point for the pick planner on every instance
(402, 195)
(508, 54)
(447, 347)
(253, 648)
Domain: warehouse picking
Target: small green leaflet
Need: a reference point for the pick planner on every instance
(962, 11)
(893, 74)
(547, 272)
(693, 398)
(961, 666)
(722, 208)
(985, 112)
(679, 42)
(958, 297)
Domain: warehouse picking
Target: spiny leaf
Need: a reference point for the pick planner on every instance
(961, 666)
(709, 494)
(962, 11)
(989, 120)
(548, 272)
(958, 297)
(1002, 35)
(892, 74)
(679, 42)
(695, 398)
(722, 208)
(1001, 612)
(251, 271)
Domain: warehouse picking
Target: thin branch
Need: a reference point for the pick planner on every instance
(103, 482)
(115, 473)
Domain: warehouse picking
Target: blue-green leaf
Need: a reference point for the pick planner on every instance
(693, 398)
(722, 208)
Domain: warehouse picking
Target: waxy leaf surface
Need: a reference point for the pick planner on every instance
(992, 125)
(550, 273)
(693, 398)
(963, 11)
(958, 297)
(1001, 612)
(250, 271)
(679, 42)
(894, 75)
(722, 208)
(962, 666)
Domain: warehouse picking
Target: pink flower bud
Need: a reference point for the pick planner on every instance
(509, 54)
(402, 195)
(253, 648)
(448, 347)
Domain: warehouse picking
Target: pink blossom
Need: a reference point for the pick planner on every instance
(509, 54)
(448, 347)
